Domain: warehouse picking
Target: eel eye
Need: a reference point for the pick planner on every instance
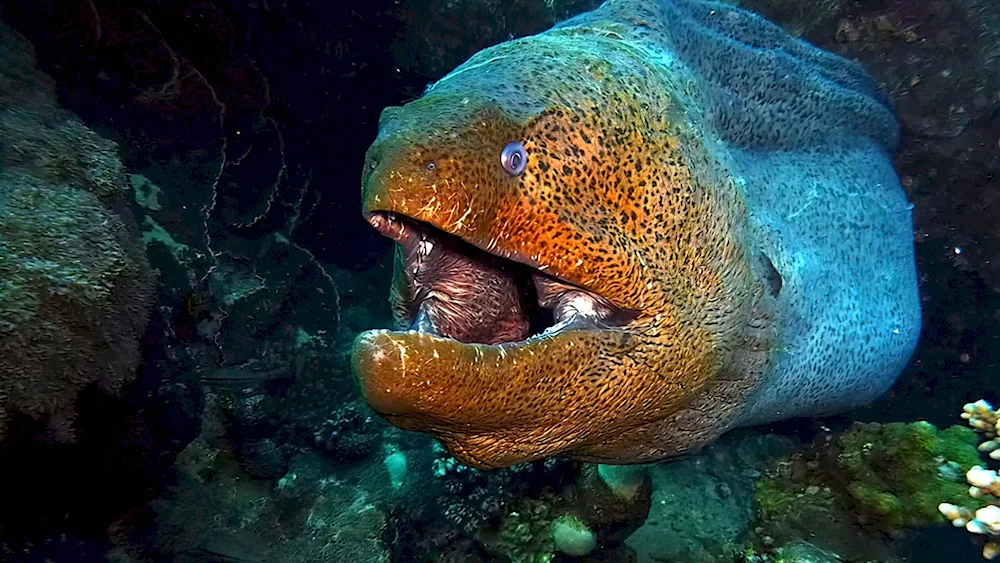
(513, 158)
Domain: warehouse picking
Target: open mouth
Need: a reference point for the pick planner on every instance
(448, 288)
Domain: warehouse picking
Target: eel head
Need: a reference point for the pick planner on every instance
(564, 282)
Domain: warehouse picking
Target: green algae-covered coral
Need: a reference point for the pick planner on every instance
(75, 287)
(901, 472)
(780, 497)
(895, 474)
(872, 478)
(525, 534)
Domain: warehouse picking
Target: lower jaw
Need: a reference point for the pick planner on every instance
(470, 396)
(494, 405)
(427, 380)
(401, 372)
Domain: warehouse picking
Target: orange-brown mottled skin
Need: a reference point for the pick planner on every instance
(621, 197)
(727, 186)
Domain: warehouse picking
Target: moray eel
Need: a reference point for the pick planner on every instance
(624, 236)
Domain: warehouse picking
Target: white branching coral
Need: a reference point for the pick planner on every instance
(984, 418)
(983, 482)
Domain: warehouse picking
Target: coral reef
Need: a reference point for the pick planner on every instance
(897, 473)
(75, 287)
(848, 494)
(586, 520)
(217, 511)
(702, 506)
(89, 422)
(799, 551)
(364, 508)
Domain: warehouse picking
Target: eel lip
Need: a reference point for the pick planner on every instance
(372, 365)
(476, 398)
(416, 379)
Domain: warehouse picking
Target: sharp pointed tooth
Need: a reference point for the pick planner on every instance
(560, 313)
(425, 247)
(423, 322)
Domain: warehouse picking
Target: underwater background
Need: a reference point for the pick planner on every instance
(184, 267)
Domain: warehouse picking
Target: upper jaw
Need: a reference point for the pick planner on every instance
(493, 219)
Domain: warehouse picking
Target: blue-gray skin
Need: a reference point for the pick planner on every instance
(708, 209)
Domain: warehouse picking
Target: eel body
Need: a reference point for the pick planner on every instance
(622, 237)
